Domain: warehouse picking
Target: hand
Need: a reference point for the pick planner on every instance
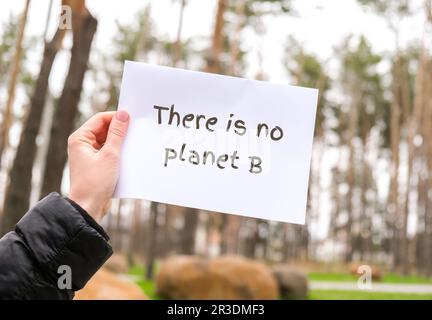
(94, 154)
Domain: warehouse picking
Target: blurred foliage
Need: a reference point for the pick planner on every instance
(8, 32)
(365, 295)
(307, 70)
(360, 76)
(7, 44)
(401, 7)
(254, 8)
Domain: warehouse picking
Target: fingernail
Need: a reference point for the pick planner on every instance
(122, 115)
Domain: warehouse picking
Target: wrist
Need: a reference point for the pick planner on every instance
(93, 207)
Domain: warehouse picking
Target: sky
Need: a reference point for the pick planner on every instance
(320, 25)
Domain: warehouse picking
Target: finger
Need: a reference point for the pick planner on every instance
(93, 132)
(98, 125)
(117, 131)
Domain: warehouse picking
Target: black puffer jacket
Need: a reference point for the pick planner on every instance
(55, 232)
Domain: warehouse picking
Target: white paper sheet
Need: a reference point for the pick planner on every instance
(149, 171)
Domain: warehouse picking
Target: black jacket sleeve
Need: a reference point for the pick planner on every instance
(56, 232)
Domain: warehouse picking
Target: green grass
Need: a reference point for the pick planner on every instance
(365, 295)
(149, 288)
(395, 278)
(137, 271)
(146, 285)
(388, 278)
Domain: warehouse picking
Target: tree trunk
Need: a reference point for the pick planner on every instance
(393, 204)
(352, 130)
(240, 8)
(136, 228)
(364, 186)
(424, 196)
(13, 78)
(253, 239)
(213, 59)
(414, 120)
(230, 234)
(400, 106)
(187, 239)
(177, 48)
(427, 147)
(118, 232)
(18, 191)
(427, 190)
(152, 240)
(67, 109)
(47, 20)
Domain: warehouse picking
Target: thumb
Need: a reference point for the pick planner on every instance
(117, 130)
